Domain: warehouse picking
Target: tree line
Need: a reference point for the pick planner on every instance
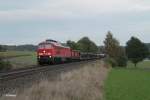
(117, 55)
(134, 51)
(83, 45)
(28, 47)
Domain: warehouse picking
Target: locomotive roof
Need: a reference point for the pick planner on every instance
(50, 40)
(55, 43)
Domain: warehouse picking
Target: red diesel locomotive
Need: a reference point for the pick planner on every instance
(51, 51)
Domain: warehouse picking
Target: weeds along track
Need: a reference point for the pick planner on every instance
(4, 76)
(17, 80)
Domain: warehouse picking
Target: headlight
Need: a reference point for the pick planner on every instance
(49, 53)
(40, 53)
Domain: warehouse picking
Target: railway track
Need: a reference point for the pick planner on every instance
(4, 76)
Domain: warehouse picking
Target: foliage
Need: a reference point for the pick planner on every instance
(72, 45)
(5, 65)
(111, 45)
(111, 61)
(127, 84)
(86, 45)
(101, 49)
(121, 57)
(2, 48)
(114, 51)
(136, 50)
(148, 45)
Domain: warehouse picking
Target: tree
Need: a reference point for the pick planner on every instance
(136, 50)
(111, 45)
(72, 45)
(101, 49)
(86, 45)
(115, 52)
(1, 48)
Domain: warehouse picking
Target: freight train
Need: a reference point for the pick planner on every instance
(53, 52)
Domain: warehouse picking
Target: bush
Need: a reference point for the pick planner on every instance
(112, 62)
(122, 61)
(121, 58)
(5, 65)
(115, 52)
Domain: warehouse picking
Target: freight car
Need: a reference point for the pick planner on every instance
(52, 52)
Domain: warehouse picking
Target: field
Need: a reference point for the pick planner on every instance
(20, 59)
(129, 83)
(144, 64)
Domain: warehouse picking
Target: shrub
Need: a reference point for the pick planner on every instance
(122, 61)
(112, 62)
(5, 65)
(121, 58)
(115, 52)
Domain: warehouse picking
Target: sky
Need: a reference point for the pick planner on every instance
(33, 21)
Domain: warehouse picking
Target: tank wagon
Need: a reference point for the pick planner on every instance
(52, 52)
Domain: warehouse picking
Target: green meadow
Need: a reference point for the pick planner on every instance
(20, 59)
(129, 83)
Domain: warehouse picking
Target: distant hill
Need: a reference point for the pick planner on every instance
(27, 47)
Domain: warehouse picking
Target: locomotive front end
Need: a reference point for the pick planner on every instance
(45, 53)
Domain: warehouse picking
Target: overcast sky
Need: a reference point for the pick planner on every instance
(32, 21)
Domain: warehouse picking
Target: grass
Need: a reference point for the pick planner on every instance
(143, 64)
(20, 59)
(85, 83)
(14, 53)
(129, 83)
(24, 61)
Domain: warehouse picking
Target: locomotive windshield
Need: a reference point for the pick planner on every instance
(45, 46)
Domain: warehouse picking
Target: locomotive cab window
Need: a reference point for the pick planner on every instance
(40, 46)
(48, 46)
(45, 46)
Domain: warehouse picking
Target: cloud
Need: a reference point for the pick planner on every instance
(21, 14)
(30, 21)
(64, 9)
